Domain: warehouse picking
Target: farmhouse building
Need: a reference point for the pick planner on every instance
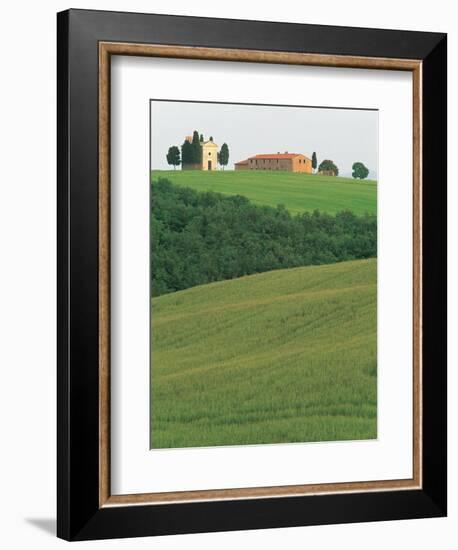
(286, 162)
(209, 156)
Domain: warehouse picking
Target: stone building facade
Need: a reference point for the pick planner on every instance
(286, 162)
(209, 155)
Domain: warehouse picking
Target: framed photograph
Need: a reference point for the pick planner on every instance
(251, 274)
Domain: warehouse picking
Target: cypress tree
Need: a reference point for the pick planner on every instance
(314, 161)
(223, 157)
(196, 148)
(186, 153)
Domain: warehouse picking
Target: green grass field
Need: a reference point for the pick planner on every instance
(297, 192)
(282, 356)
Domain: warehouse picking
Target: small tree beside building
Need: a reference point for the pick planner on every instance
(328, 168)
(314, 162)
(223, 155)
(173, 156)
(196, 148)
(186, 152)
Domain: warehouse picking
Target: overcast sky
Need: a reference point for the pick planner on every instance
(342, 135)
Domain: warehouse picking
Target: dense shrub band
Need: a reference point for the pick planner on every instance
(198, 238)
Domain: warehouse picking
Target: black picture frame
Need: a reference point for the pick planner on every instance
(80, 516)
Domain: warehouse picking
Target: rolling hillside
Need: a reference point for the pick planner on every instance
(282, 356)
(297, 192)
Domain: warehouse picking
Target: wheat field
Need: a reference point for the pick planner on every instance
(282, 356)
(297, 192)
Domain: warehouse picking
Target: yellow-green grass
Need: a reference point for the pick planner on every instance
(297, 192)
(283, 356)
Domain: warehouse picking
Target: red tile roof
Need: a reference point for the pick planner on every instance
(243, 161)
(278, 156)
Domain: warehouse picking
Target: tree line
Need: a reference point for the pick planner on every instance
(191, 153)
(198, 238)
(359, 170)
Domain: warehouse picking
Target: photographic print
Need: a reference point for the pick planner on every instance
(263, 265)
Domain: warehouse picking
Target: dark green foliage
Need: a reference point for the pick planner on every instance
(314, 161)
(223, 155)
(197, 238)
(186, 153)
(173, 156)
(327, 166)
(196, 148)
(201, 138)
(359, 171)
